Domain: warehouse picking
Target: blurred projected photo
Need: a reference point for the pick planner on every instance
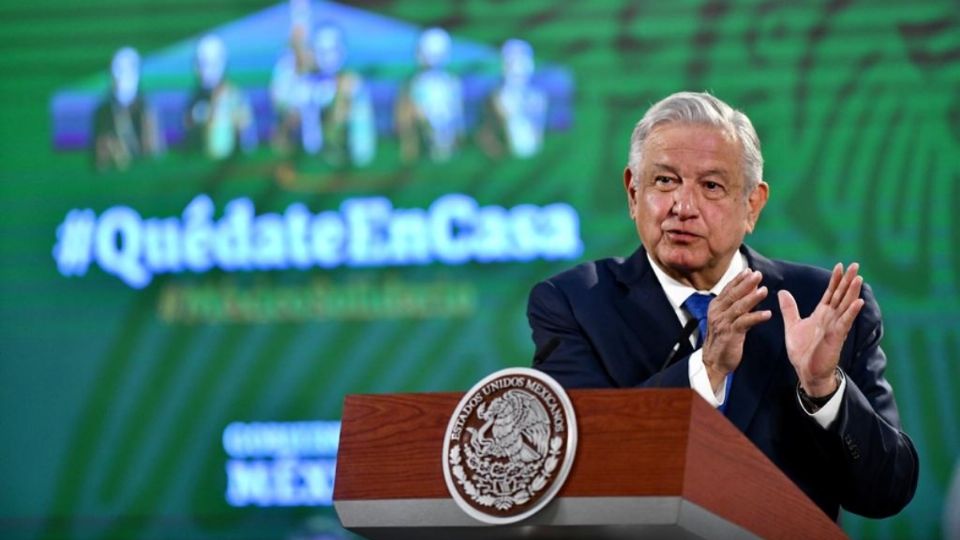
(125, 127)
(516, 112)
(429, 114)
(219, 119)
(322, 109)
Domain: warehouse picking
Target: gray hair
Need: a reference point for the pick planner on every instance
(700, 108)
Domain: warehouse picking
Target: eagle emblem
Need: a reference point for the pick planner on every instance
(507, 444)
(520, 428)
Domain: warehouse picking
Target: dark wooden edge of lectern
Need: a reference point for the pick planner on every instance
(646, 461)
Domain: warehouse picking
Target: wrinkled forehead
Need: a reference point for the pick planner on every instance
(694, 149)
(703, 138)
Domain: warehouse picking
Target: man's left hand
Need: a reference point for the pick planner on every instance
(814, 342)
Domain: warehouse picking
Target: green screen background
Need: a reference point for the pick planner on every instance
(112, 411)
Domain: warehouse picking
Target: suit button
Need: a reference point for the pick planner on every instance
(852, 447)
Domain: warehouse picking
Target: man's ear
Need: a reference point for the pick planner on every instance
(756, 201)
(631, 190)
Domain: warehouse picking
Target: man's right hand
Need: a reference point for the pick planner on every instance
(729, 317)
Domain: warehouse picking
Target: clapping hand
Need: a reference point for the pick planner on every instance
(730, 316)
(814, 342)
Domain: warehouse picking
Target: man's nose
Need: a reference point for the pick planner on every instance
(684, 201)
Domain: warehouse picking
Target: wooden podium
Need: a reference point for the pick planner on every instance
(649, 463)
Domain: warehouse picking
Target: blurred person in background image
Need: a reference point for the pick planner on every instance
(323, 109)
(429, 111)
(219, 119)
(125, 127)
(516, 111)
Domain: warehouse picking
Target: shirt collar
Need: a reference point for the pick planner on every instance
(677, 292)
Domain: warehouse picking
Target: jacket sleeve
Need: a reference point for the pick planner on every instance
(878, 461)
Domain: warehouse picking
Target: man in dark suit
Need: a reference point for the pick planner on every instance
(801, 375)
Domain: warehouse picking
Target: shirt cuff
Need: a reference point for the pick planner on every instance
(700, 381)
(828, 413)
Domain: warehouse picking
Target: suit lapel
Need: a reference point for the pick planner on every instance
(644, 308)
(763, 349)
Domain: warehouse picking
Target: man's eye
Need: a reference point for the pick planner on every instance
(714, 187)
(714, 190)
(664, 180)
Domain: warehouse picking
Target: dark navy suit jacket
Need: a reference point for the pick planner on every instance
(608, 324)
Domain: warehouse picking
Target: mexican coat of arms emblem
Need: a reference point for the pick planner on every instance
(509, 445)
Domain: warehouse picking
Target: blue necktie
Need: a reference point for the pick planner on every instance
(696, 304)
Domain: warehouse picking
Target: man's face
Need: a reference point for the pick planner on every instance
(125, 70)
(211, 61)
(329, 50)
(689, 202)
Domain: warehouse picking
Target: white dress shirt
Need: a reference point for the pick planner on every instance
(677, 293)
